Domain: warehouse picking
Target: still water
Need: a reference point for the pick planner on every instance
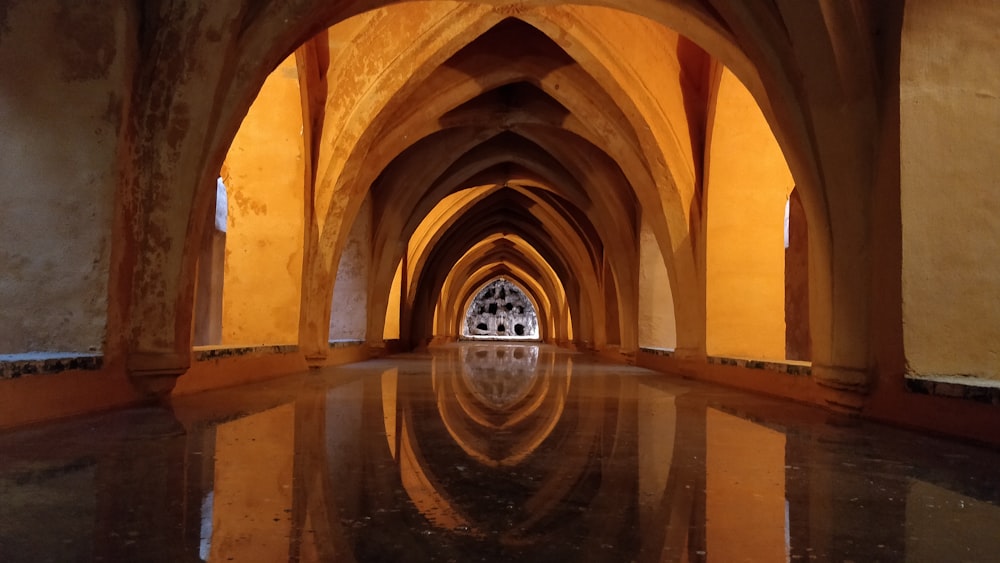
(491, 452)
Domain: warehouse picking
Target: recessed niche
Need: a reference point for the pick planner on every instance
(501, 310)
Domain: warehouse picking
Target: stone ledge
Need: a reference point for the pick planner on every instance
(206, 353)
(787, 367)
(956, 387)
(13, 366)
(663, 352)
(345, 343)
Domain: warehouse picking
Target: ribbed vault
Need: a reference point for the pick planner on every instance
(568, 127)
(627, 162)
(484, 123)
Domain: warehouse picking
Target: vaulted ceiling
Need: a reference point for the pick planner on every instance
(529, 139)
(548, 151)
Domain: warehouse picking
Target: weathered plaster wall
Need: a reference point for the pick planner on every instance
(60, 114)
(657, 328)
(264, 242)
(747, 180)
(950, 121)
(349, 311)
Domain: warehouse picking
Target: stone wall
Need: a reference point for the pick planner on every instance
(61, 101)
(501, 310)
(949, 121)
(349, 312)
(657, 327)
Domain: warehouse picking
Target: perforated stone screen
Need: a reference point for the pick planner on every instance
(501, 311)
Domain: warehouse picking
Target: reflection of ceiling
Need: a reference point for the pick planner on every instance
(502, 410)
(500, 376)
(502, 418)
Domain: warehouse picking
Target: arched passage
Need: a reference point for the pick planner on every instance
(763, 60)
(501, 310)
(114, 142)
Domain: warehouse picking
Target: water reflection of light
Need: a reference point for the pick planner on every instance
(252, 493)
(745, 490)
(423, 489)
(499, 388)
(943, 525)
(622, 468)
(205, 538)
(390, 383)
(499, 375)
(635, 468)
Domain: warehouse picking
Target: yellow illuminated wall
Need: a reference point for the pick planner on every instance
(263, 267)
(747, 182)
(657, 327)
(391, 330)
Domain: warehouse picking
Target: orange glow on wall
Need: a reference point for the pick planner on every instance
(747, 182)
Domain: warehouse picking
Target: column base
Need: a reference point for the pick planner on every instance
(844, 389)
(155, 375)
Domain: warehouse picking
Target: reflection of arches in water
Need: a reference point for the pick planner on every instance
(499, 436)
(351, 492)
(501, 310)
(581, 431)
(500, 376)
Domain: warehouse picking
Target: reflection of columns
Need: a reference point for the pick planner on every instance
(316, 518)
(681, 509)
(619, 484)
(200, 483)
(942, 525)
(802, 532)
(252, 510)
(138, 482)
(657, 426)
(311, 541)
(832, 498)
(343, 426)
(745, 490)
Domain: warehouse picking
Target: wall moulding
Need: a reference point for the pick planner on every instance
(13, 366)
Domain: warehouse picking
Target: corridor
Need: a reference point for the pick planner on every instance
(490, 451)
